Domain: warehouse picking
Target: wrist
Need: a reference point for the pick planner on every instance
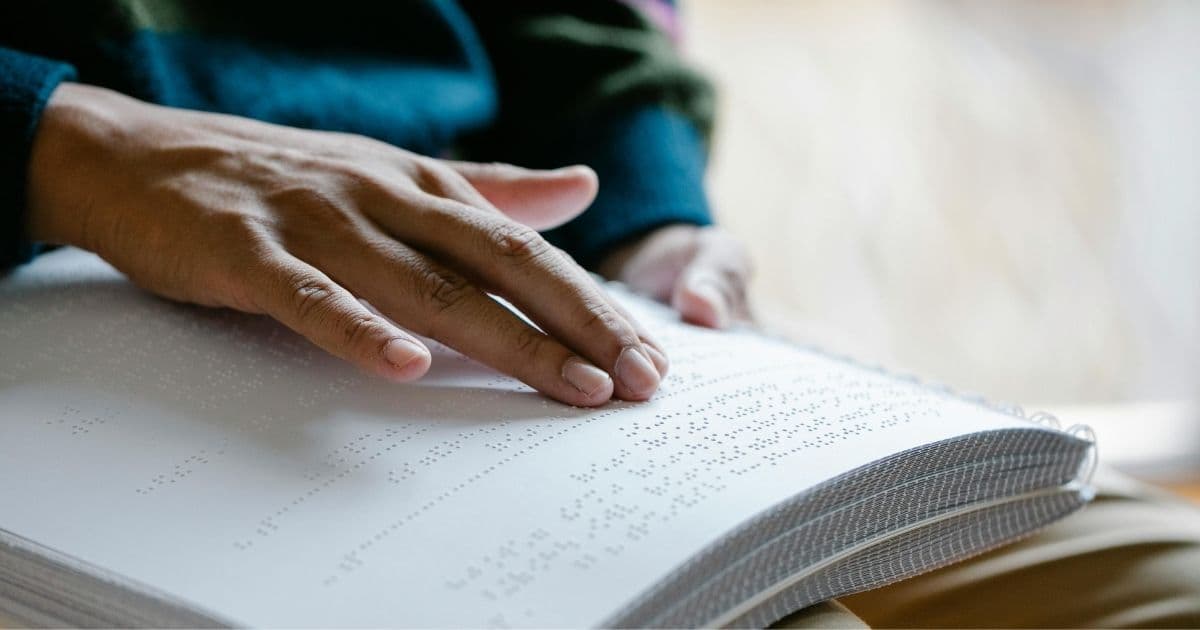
(76, 136)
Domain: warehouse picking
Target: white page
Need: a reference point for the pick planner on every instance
(223, 459)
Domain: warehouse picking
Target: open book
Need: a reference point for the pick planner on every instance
(168, 465)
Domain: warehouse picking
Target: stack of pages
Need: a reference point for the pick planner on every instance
(167, 465)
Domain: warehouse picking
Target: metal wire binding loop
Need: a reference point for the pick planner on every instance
(1088, 468)
(1010, 409)
(1045, 419)
(1083, 432)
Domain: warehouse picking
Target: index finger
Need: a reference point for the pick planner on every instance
(515, 262)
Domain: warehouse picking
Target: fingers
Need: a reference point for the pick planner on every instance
(539, 199)
(653, 348)
(430, 299)
(512, 260)
(515, 262)
(308, 302)
(652, 265)
(700, 300)
(711, 291)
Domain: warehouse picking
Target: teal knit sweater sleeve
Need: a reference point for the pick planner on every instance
(595, 82)
(26, 82)
(538, 82)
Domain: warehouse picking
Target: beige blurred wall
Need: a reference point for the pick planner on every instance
(999, 195)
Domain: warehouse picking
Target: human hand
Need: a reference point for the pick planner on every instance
(702, 272)
(300, 225)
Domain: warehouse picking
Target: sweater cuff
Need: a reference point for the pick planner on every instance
(651, 166)
(26, 82)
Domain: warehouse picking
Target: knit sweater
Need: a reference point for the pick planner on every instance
(535, 83)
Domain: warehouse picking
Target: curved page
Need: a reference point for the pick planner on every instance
(222, 459)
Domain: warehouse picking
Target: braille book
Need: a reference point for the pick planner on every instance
(169, 465)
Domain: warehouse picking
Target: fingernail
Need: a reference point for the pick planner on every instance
(401, 352)
(574, 169)
(584, 376)
(659, 359)
(636, 372)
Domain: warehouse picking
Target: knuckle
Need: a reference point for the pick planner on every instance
(356, 329)
(309, 210)
(309, 298)
(442, 289)
(517, 243)
(240, 227)
(356, 176)
(246, 244)
(436, 177)
(527, 341)
(602, 318)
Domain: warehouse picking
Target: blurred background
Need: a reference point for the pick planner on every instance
(1001, 196)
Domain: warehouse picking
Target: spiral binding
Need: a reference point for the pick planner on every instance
(1084, 432)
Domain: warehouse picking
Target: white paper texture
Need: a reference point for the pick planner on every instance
(223, 459)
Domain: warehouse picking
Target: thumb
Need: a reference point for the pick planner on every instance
(537, 198)
(711, 291)
(702, 298)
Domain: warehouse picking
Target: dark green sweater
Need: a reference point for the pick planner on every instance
(540, 84)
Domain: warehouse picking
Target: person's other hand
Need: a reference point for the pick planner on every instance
(702, 272)
(302, 225)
